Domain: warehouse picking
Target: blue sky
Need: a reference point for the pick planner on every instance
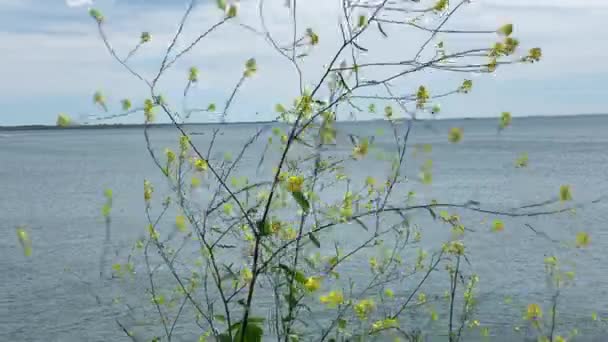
(52, 60)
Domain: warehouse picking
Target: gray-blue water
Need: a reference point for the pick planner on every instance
(52, 182)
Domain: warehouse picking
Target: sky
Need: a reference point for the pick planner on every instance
(53, 60)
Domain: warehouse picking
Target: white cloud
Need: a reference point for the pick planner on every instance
(73, 62)
(78, 3)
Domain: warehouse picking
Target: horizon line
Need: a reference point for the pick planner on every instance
(163, 124)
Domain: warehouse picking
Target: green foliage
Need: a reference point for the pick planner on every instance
(505, 30)
(24, 240)
(422, 96)
(253, 332)
(107, 207)
(534, 55)
(193, 74)
(505, 120)
(149, 110)
(126, 104)
(455, 134)
(251, 67)
(63, 120)
(565, 194)
(301, 200)
(314, 37)
(264, 235)
(97, 15)
(582, 239)
(100, 99)
(522, 161)
(466, 86)
(145, 37)
(362, 21)
(441, 5)
(232, 11)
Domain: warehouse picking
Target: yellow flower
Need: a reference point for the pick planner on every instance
(364, 308)
(389, 293)
(534, 312)
(421, 298)
(312, 284)
(170, 155)
(455, 135)
(498, 226)
(454, 247)
(361, 149)
(582, 239)
(201, 165)
(373, 263)
(180, 223)
(246, 275)
(153, 232)
(294, 183)
(289, 234)
(63, 120)
(384, 324)
(565, 194)
(196, 182)
(333, 298)
(148, 189)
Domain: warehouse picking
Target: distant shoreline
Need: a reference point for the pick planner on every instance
(160, 125)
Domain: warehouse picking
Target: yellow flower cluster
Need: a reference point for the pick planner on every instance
(312, 284)
(294, 183)
(385, 324)
(363, 308)
(333, 298)
(201, 165)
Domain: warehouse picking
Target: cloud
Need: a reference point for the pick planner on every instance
(54, 52)
(78, 3)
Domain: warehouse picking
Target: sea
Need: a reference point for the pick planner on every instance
(52, 184)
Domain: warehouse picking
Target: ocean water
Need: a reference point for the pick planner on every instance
(52, 182)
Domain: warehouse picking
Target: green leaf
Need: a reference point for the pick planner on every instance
(441, 5)
(455, 135)
(302, 201)
(314, 38)
(253, 333)
(279, 108)
(362, 21)
(522, 160)
(256, 320)
(565, 194)
(505, 30)
(232, 11)
(372, 108)
(505, 120)
(264, 228)
(25, 241)
(342, 324)
(251, 67)
(96, 14)
(145, 37)
(225, 337)
(298, 275)
(126, 104)
(466, 86)
(314, 240)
